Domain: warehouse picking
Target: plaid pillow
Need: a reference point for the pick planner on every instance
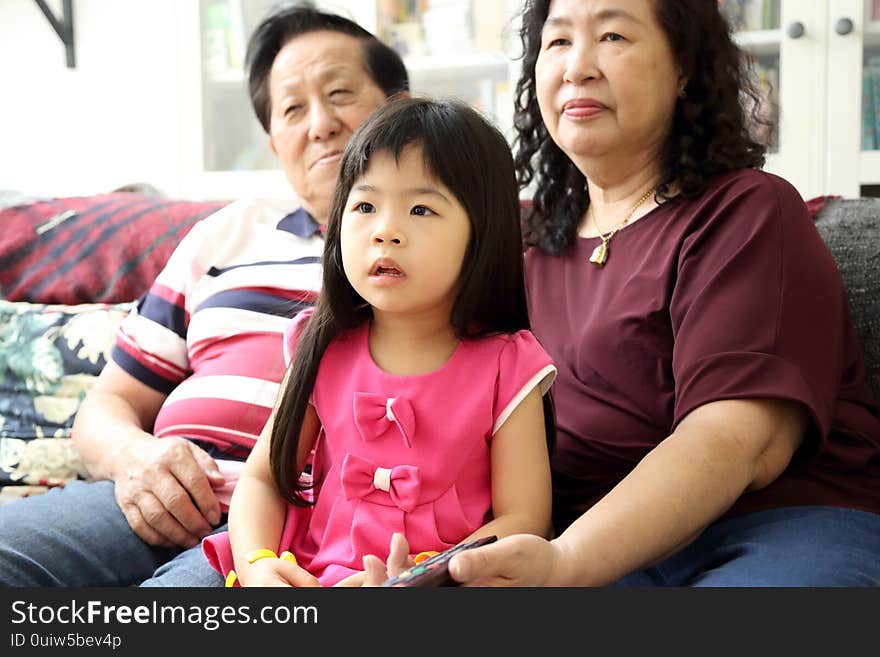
(106, 248)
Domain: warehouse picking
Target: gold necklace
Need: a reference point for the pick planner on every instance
(600, 253)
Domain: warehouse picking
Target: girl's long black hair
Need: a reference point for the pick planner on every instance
(473, 160)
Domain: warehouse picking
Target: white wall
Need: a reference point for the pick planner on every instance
(112, 120)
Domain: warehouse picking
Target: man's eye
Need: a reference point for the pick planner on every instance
(422, 211)
(292, 109)
(364, 208)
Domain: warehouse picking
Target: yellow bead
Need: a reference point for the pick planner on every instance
(230, 579)
(262, 553)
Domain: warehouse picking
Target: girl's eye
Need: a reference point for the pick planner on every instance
(422, 211)
(364, 208)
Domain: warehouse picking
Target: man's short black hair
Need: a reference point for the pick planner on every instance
(381, 61)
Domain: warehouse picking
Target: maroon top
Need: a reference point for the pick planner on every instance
(732, 295)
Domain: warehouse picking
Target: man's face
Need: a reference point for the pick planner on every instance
(320, 92)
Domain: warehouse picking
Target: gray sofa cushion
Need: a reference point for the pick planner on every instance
(851, 229)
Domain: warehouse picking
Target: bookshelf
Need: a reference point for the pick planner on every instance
(824, 89)
(460, 48)
(812, 84)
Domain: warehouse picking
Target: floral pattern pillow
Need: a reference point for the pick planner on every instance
(50, 356)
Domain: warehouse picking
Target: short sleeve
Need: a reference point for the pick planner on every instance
(293, 332)
(758, 308)
(523, 364)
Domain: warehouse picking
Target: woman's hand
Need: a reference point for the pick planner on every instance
(518, 560)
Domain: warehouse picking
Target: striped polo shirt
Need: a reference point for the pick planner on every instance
(208, 333)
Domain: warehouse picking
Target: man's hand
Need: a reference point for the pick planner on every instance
(164, 490)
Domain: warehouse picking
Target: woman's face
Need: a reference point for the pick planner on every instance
(606, 79)
(320, 92)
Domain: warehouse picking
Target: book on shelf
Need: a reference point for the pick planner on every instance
(872, 71)
(869, 131)
(750, 15)
(875, 10)
(223, 37)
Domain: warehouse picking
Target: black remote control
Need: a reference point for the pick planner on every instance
(434, 571)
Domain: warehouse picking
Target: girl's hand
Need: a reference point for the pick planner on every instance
(518, 560)
(375, 572)
(278, 572)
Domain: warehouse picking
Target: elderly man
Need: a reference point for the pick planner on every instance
(196, 368)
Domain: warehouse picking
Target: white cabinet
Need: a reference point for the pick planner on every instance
(460, 48)
(820, 49)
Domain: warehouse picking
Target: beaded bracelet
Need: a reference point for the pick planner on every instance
(256, 555)
(421, 556)
(263, 553)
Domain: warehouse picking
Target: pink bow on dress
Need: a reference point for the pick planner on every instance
(361, 477)
(376, 415)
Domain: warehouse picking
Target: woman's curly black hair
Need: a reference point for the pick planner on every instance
(711, 131)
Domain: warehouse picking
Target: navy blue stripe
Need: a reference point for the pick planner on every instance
(255, 301)
(163, 312)
(142, 373)
(35, 244)
(308, 260)
(59, 253)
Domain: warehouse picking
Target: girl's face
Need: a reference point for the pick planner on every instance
(606, 78)
(403, 236)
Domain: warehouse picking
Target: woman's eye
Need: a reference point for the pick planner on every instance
(422, 211)
(611, 36)
(560, 41)
(364, 208)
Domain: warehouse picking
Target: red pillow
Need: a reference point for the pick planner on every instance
(105, 248)
(815, 205)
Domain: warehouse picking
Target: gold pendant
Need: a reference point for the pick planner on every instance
(600, 255)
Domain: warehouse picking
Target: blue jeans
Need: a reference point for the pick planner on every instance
(78, 536)
(792, 546)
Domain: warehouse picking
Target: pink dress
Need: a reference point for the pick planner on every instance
(406, 454)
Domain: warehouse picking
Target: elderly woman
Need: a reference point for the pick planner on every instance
(196, 369)
(714, 425)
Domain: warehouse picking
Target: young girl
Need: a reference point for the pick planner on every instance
(415, 380)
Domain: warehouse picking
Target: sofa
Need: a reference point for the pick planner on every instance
(71, 269)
